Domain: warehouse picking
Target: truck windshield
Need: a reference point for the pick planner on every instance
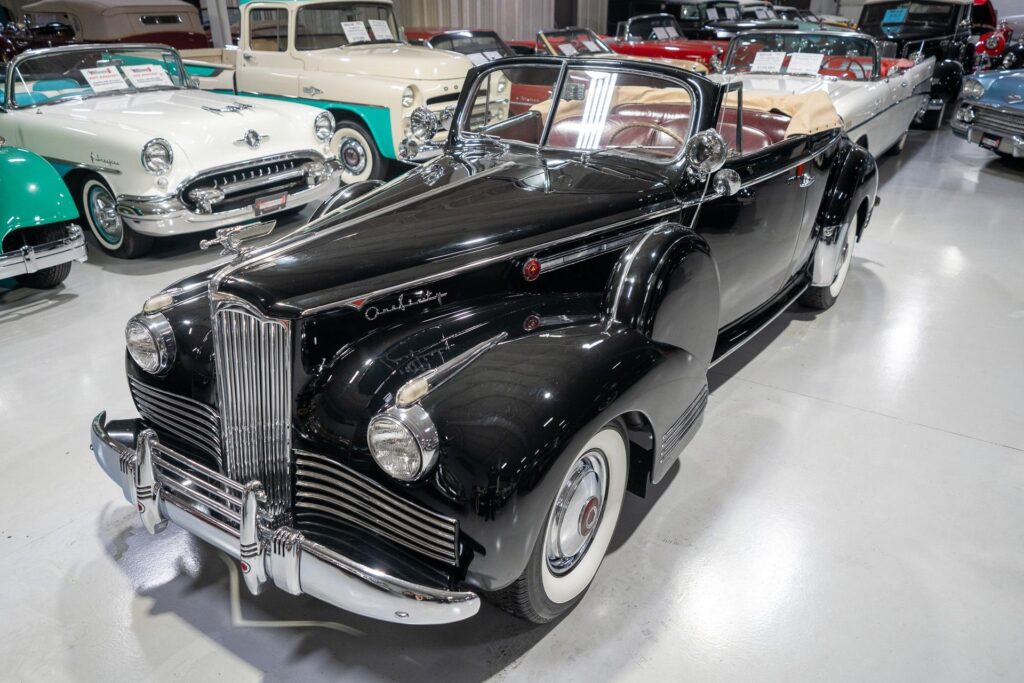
(324, 26)
(892, 18)
(807, 54)
(479, 46)
(75, 74)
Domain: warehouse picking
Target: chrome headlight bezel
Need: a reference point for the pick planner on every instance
(155, 330)
(157, 156)
(420, 449)
(1008, 60)
(408, 96)
(992, 42)
(323, 126)
(973, 89)
(423, 124)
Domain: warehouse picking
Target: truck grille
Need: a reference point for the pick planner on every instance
(242, 185)
(329, 496)
(179, 418)
(253, 361)
(993, 119)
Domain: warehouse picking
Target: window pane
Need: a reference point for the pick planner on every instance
(512, 103)
(320, 27)
(268, 30)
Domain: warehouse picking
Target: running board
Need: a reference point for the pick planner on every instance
(746, 328)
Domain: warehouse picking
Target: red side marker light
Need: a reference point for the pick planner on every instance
(245, 567)
(531, 270)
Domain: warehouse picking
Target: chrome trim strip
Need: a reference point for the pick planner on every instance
(423, 384)
(88, 167)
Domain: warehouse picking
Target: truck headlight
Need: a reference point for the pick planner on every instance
(403, 442)
(423, 124)
(973, 89)
(323, 126)
(150, 342)
(408, 96)
(157, 156)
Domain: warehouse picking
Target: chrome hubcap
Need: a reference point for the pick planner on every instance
(104, 213)
(352, 155)
(577, 512)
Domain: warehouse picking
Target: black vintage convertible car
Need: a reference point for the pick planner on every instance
(442, 388)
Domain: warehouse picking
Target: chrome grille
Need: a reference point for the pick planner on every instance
(253, 360)
(329, 495)
(179, 417)
(199, 487)
(241, 184)
(1000, 121)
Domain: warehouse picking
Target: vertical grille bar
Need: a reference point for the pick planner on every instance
(253, 363)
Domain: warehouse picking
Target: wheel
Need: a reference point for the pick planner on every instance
(822, 298)
(932, 120)
(576, 535)
(360, 159)
(897, 149)
(97, 205)
(47, 278)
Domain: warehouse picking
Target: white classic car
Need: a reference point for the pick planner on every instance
(877, 98)
(147, 156)
(350, 58)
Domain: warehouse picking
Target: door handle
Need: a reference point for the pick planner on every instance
(247, 56)
(806, 179)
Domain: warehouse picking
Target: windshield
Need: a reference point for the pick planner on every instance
(571, 42)
(659, 27)
(81, 73)
(323, 26)
(807, 54)
(722, 11)
(479, 46)
(595, 110)
(891, 18)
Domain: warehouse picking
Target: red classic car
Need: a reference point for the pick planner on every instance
(168, 22)
(659, 36)
(991, 49)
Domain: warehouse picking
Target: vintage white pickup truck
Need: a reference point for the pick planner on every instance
(350, 58)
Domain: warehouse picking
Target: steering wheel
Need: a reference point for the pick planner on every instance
(651, 126)
(848, 65)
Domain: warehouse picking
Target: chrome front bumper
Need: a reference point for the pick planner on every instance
(1009, 142)
(167, 215)
(282, 555)
(29, 260)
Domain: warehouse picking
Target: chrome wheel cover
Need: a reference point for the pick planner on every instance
(352, 155)
(577, 512)
(103, 211)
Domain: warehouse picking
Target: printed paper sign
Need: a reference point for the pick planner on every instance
(804, 63)
(730, 13)
(104, 79)
(381, 29)
(492, 55)
(567, 49)
(671, 32)
(660, 33)
(477, 58)
(355, 31)
(147, 76)
(768, 62)
(896, 15)
(591, 46)
(712, 14)
(760, 13)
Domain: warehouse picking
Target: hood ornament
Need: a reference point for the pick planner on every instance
(231, 239)
(233, 108)
(252, 138)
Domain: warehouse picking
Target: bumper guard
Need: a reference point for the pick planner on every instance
(27, 260)
(228, 515)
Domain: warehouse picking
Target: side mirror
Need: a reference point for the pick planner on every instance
(705, 153)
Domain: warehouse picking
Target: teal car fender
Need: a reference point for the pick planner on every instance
(32, 193)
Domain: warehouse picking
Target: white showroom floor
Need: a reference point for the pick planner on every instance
(853, 508)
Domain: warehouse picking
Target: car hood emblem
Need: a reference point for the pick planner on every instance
(252, 138)
(1014, 98)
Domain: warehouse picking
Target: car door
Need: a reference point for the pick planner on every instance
(753, 233)
(268, 63)
(908, 91)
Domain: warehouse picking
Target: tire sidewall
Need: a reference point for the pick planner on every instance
(374, 166)
(555, 594)
(90, 187)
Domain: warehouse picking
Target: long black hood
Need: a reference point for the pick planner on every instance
(439, 218)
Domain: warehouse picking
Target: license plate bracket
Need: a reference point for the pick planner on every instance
(271, 203)
(989, 141)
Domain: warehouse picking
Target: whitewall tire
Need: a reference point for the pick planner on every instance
(98, 207)
(359, 157)
(824, 297)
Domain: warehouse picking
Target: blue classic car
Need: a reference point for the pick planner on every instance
(991, 112)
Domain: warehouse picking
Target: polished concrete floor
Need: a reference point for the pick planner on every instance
(853, 508)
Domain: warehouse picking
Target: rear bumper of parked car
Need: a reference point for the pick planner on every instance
(283, 556)
(983, 125)
(168, 215)
(27, 260)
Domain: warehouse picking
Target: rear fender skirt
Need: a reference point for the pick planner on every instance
(510, 422)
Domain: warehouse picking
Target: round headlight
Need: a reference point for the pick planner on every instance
(973, 89)
(403, 442)
(323, 126)
(157, 156)
(1008, 60)
(965, 114)
(408, 96)
(150, 342)
(423, 124)
(992, 42)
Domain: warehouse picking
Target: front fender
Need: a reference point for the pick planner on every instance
(32, 193)
(344, 195)
(852, 184)
(947, 79)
